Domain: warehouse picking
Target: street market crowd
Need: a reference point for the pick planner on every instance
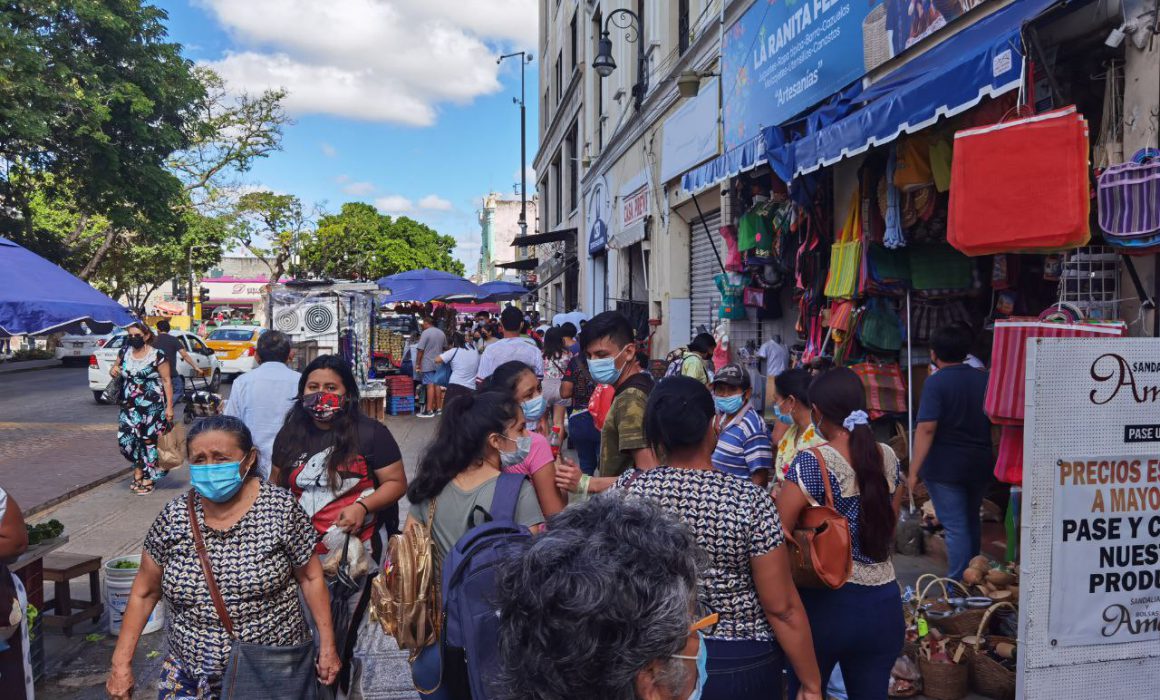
(690, 550)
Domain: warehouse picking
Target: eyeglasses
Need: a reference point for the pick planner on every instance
(704, 626)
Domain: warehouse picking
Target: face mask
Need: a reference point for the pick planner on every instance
(702, 666)
(816, 427)
(523, 447)
(604, 370)
(217, 482)
(783, 417)
(324, 406)
(136, 342)
(728, 404)
(533, 408)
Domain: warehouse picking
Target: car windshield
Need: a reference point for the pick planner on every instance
(400, 324)
(232, 334)
(116, 341)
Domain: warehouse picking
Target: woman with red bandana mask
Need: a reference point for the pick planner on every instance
(345, 469)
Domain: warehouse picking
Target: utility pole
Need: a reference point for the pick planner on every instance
(525, 59)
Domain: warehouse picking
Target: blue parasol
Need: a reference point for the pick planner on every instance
(503, 291)
(426, 285)
(37, 296)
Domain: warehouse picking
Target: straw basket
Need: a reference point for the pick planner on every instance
(988, 676)
(875, 39)
(957, 625)
(941, 681)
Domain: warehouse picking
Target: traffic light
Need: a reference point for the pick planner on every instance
(203, 294)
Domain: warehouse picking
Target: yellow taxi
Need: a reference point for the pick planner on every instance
(236, 347)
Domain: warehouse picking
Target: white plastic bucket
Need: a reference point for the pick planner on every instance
(118, 583)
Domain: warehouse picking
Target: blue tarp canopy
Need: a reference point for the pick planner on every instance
(503, 291)
(37, 296)
(741, 159)
(426, 285)
(983, 60)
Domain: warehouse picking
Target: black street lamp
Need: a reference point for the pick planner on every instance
(604, 64)
(525, 59)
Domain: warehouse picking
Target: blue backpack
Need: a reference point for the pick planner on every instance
(470, 613)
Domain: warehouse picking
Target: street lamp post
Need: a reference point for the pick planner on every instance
(525, 59)
(604, 64)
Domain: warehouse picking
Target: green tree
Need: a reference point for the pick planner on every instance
(360, 243)
(273, 227)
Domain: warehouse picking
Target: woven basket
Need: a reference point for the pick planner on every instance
(944, 681)
(988, 676)
(959, 624)
(875, 39)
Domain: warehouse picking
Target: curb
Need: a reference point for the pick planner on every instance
(21, 370)
(72, 493)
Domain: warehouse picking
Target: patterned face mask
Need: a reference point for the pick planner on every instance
(324, 406)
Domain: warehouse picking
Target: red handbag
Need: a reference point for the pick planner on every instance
(1021, 186)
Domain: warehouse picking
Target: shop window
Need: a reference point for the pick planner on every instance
(573, 46)
(683, 29)
(573, 160)
(557, 191)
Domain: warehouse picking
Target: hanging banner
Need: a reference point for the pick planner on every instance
(784, 56)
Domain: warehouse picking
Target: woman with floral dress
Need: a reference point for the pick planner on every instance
(146, 405)
(795, 431)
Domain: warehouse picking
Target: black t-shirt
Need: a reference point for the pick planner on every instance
(170, 346)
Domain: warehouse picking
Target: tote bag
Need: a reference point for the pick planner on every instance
(846, 255)
(884, 386)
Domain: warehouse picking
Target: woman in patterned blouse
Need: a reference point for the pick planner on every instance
(791, 406)
(864, 478)
(261, 548)
(747, 581)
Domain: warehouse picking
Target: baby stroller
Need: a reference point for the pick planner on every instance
(202, 403)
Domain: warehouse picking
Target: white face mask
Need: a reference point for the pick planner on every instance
(523, 448)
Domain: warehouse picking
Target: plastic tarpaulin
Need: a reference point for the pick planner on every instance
(741, 159)
(983, 60)
(37, 296)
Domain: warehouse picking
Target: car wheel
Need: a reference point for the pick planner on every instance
(99, 397)
(215, 382)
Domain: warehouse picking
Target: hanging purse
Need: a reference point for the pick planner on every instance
(846, 255)
(255, 671)
(820, 546)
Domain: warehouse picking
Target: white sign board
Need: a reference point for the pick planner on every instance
(690, 134)
(1089, 595)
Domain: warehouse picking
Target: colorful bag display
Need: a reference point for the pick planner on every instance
(880, 330)
(754, 296)
(1021, 186)
(885, 387)
(1005, 387)
(846, 255)
(1129, 200)
(1009, 465)
(938, 266)
(733, 261)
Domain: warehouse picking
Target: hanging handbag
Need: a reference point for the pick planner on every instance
(255, 671)
(885, 387)
(114, 392)
(846, 255)
(939, 266)
(820, 546)
(405, 597)
(1129, 200)
(443, 371)
(881, 327)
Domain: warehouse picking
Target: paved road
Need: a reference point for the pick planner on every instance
(54, 438)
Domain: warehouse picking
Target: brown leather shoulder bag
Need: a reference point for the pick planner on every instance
(820, 547)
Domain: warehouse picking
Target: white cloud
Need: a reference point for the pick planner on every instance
(435, 203)
(359, 189)
(328, 150)
(378, 60)
(394, 204)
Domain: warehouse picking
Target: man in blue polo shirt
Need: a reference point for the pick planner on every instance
(743, 445)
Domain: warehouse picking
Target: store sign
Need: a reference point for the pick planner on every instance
(234, 291)
(784, 56)
(634, 208)
(632, 212)
(1089, 591)
(599, 213)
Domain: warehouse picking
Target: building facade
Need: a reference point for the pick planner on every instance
(499, 226)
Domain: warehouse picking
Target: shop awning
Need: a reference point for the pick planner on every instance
(525, 264)
(745, 157)
(983, 60)
(563, 234)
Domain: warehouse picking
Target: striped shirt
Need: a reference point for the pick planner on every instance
(743, 447)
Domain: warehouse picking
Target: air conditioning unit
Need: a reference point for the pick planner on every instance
(312, 319)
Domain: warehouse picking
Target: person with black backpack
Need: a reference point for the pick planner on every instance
(474, 513)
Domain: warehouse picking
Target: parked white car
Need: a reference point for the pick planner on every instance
(102, 361)
(80, 346)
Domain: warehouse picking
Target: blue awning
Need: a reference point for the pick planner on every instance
(983, 60)
(742, 159)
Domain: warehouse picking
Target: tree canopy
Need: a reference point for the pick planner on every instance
(360, 243)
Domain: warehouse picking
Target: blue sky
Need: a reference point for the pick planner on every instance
(396, 102)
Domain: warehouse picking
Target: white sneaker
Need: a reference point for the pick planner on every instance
(425, 414)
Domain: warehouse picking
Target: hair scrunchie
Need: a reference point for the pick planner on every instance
(855, 419)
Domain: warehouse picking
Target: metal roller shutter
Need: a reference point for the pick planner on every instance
(703, 266)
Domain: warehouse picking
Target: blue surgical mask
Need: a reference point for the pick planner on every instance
(702, 666)
(604, 369)
(783, 417)
(217, 482)
(523, 448)
(728, 404)
(533, 408)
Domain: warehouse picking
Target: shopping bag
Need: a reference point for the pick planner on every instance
(846, 255)
(1021, 185)
(881, 327)
(171, 448)
(885, 387)
(938, 266)
(1129, 200)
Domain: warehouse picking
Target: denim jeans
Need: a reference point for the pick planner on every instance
(743, 669)
(957, 507)
(586, 438)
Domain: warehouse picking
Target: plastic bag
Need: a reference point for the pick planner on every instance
(335, 541)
